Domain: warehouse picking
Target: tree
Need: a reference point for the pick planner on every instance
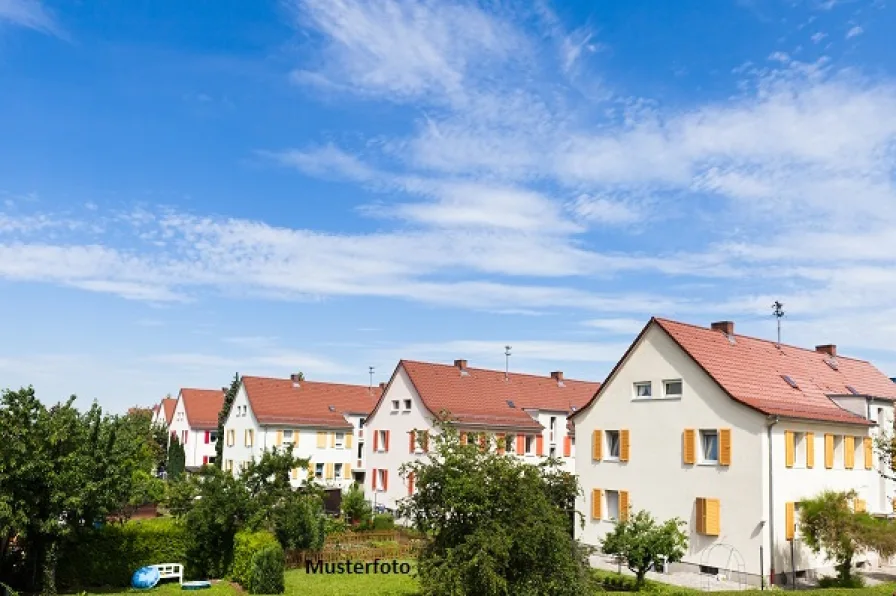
(354, 506)
(497, 525)
(643, 543)
(828, 523)
(222, 418)
(176, 459)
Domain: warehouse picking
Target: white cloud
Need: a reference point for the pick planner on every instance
(525, 354)
(31, 14)
(818, 37)
(854, 32)
(617, 326)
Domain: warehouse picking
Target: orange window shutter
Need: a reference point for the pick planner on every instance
(596, 445)
(411, 441)
(810, 450)
(623, 505)
(539, 445)
(829, 451)
(567, 446)
(689, 449)
(410, 484)
(789, 521)
(520, 444)
(463, 438)
(869, 452)
(849, 453)
(501, 442)
(713, 517)
(426, 441)
(624, 445)
(789, 448)
(376, 440)
(386, 446)
(860, 506)
(724, 446)
(701, 515)
(595, 504)
(483, 441)
(385, 480)
(373, 475)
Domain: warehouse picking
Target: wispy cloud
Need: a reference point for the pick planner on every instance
(854, 32)
(31, 14)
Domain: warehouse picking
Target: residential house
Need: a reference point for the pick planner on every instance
(163, 412)
(195, 424)
(523, 414)
(320, 421)
(730, 433)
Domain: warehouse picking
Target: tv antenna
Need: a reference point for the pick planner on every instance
(370, 372)
(778, 313)
(506, 362)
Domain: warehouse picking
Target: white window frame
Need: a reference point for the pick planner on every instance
(381, 441)
(667, 395)
(337, 471)
(339, 440)
(290, 438)
(611, 495)
(704, 434)
(609, 435)
(638, 384)
(380, 480)
(395, 404)
(407, 405)
(799, 449)
(319, 471)
(529, 444)
(839, 452)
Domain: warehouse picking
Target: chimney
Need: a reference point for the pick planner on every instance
(295, 380)
(461, 364)
(225, 389)
(382, 386)
(557, 375)
(726, 327)
(829, 349)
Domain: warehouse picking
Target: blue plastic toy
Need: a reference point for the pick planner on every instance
(145, 578)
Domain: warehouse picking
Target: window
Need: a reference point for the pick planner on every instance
(552, 426)
(360, 449)
(361, 422)
(643, 390)
(340, 440)
(799, 449)
(709, 446)
(510, 443)
(248, 438)
(183, 437)
(394, 405)
(612, 504)
(553, 451)
(381, 440)
(318, 471)
(838, 451)
(612, 444)
(672, 388)
(708, 516)
(407, 405)
(381, 480)
(880, 417)
(338, 469)
(229, 465)
(530, 445)
(211, 459)
(287, 436)
(213, 436)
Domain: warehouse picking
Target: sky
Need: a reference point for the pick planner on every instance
(194, 189)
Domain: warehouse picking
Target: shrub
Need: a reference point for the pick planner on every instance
(299, 523)
(355, 506)
(383, 521)
(334, 526)
(268, 566)
(853, 582)
(245, 547)
(109, 555)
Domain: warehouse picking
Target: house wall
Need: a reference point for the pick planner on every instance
(655, 476)
(556, 439)
(194, 447)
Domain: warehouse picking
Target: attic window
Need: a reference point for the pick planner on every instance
(510, 403)
(790, 381)
(832, 362)
(852, 390)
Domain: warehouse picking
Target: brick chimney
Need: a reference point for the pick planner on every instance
(225, 389)
(726, 327)
(829, 349)
(382, 386)
(557, 375)
(295, 379)
(461, 364)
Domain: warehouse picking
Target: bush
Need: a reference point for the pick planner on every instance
(108, 556)
(267, 572)
(245, 546)
(355, 507)
(299, 522)
(383, 521)
(853, 582)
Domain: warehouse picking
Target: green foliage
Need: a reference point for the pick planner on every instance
(497, 525)
(245, 545)
(299, 522)
(355, 507)
(643, 543)
(176, 459)
(108, 556)
(853, 582)
(383, 521)
(267, 575)
(334, 526)
(222, 418)
(828, 523)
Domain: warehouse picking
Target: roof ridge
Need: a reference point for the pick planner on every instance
(495, 370)
(306, 381)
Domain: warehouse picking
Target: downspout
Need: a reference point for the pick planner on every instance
(771, 503)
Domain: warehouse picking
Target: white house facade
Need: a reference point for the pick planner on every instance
(195, 424)
(526, 414)
(322, 422)
(730, 433)
(163, 412)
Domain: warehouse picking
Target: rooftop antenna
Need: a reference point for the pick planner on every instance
(778, 313)
(370, 372)
(506, 362)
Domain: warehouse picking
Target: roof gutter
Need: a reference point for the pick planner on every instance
(771, 501)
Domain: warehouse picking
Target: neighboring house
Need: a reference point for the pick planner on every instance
(163, 413)
(522, 414)
(730, 433)
(323, 422)
(195, 424)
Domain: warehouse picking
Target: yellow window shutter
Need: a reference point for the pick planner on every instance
(849, 453)
(789, 448)
(595, 504)
(333, 439)
(295, 473)
(789, 522)
(348, 440)
(869, 452)
(713, 517)
(829, 451)
(689, 449)
(624, 445)
(810, 450)
(724, 446)
(860, 506)
(596, 444)
(310, 469)
(623, 505)
(321, 439)
(329, 471)
(347, 470)
(279, 437)
(894, 505)
(701, 515)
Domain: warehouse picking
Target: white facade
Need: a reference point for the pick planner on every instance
(199, 443)
(333, 451)
(655, 477)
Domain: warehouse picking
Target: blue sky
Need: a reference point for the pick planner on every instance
(189, 189)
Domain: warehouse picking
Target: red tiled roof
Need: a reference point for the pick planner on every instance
(278, 401)
(168, 404)
(479, 396)
(202, 407)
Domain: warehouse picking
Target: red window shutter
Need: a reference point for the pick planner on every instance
(385, 479)
(386, 446)
(208, 436)
(567, 446)
(373, 479)
(539, 445)
(410, 484)
(411, 442)
(376, 441)
(483, 441)
(520, 444)
(426, 441)
(204, 460)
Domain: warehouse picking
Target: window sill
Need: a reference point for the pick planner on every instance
(709, 464)
(676, 398)
(611, 459)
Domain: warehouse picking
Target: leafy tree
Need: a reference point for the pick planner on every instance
(177, 459)
(497, 525)
(222, 418)
(643, 543)
(355, 507)
(828, 523)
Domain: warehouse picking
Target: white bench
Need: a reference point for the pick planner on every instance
(170, 571)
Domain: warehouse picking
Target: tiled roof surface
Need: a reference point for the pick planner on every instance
(278, 401)
(168, 404)
(751, 370)
(202, 406)
(480, 396)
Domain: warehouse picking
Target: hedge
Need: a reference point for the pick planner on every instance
(267, 574)
(110, 555)
(245, 545)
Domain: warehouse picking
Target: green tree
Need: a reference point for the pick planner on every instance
(222, 418)
(643, 543)
(176, 459)
(497, 525)
(829, 523)
(354, 506)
